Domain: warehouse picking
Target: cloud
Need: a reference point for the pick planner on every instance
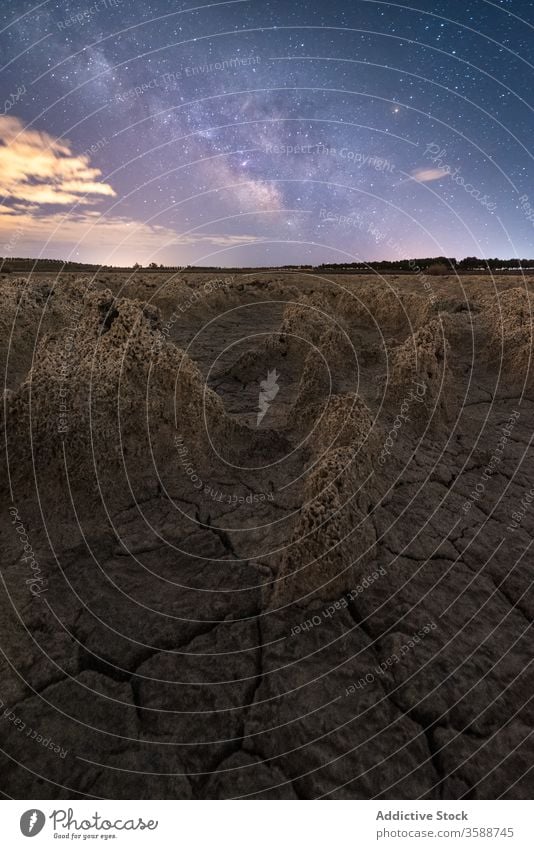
(427, 175)
(89, 230)
(37, 168)
(224, 240)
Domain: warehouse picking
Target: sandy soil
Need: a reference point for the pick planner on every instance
(267, 536)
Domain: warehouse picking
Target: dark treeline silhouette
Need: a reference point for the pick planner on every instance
(24, 264)
(449, 264)
(437, 265)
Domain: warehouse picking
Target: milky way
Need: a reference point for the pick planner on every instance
(249, 132)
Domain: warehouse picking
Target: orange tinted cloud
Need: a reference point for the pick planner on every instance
(38, 168)
(91, 232)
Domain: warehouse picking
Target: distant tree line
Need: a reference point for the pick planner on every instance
(26, 264)
(470, 263)
(437, 263)
(495, 264)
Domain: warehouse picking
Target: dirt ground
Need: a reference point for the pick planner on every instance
(266, 536)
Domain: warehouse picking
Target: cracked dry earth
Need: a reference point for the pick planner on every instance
(335, 602)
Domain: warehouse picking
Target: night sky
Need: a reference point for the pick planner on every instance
(256, 132)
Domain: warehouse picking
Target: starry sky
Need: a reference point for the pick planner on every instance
(266, 132)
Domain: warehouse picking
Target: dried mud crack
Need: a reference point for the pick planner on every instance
(266, 539)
